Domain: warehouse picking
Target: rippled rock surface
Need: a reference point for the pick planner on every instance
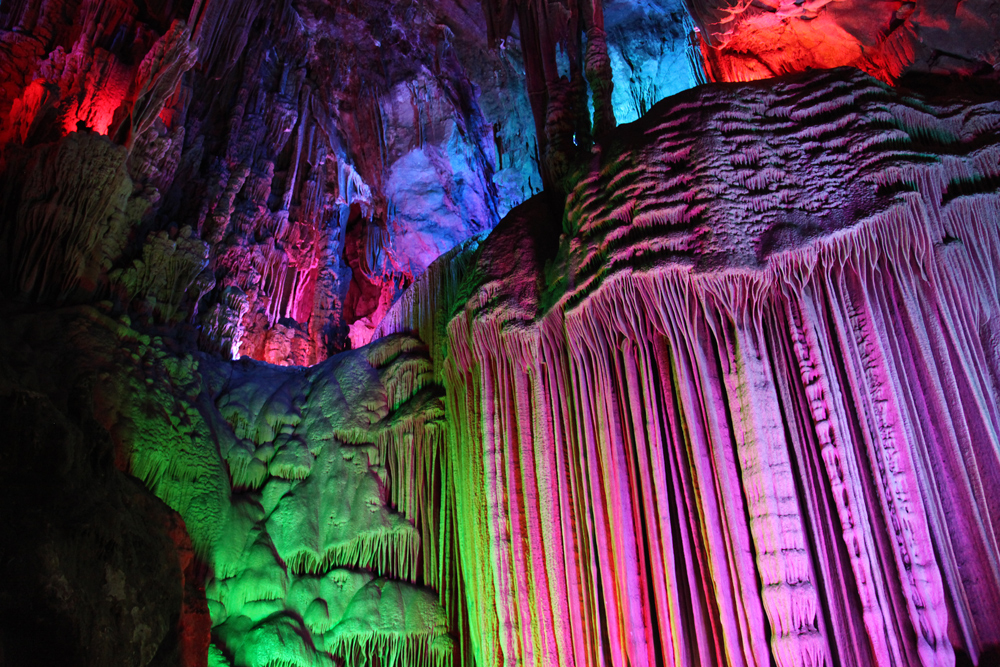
(744, 409)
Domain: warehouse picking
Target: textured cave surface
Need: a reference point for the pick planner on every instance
(296, 498)
(446, 333)
(743, 409)
(97, 570)
(745, 41)
(290, 166)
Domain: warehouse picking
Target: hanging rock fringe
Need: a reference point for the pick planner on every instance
(392, 651)
(393, 554)
(758, 421)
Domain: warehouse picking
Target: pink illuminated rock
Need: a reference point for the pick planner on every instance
(240, 125)
(744, 410)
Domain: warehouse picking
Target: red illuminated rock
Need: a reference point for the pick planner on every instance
(746, 41)
(240, 126)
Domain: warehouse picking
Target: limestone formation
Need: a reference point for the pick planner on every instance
(441, 334)
(746, 41)
(733, 415)
(311, 497)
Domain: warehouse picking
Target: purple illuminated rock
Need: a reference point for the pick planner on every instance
(744, 409)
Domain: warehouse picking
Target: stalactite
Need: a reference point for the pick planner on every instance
(157, 79)
(557, 102)
(742, 414)
(598, 68)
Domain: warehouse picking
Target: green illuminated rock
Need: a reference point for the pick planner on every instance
(288, 480)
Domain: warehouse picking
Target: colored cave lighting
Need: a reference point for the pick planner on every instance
(318, 518)
(96, 112)
(734, 419)
(725, 393)
(698, 434)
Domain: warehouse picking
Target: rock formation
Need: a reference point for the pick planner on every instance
(310, 497)
(748, 40)
(377, 333)
(743, 409)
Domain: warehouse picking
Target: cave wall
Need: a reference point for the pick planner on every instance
(275, 514)
(252, 161)
(742, 410)
(95, 569)
(290, 167)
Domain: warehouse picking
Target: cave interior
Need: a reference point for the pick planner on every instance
(542, 333)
